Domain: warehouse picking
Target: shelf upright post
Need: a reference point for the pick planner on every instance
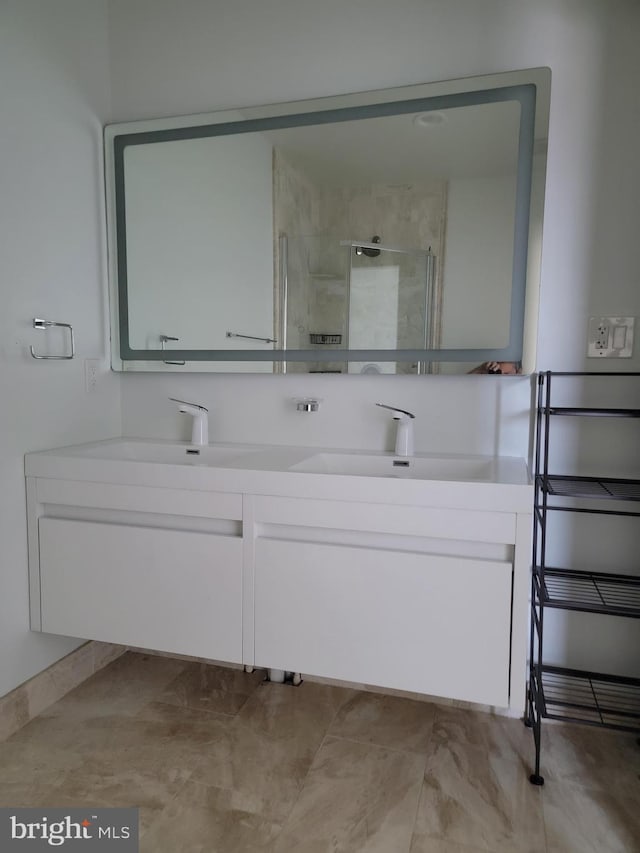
(537, 586)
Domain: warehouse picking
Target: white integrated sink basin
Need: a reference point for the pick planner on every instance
(167, 453)
(411, 467)
(301, 472)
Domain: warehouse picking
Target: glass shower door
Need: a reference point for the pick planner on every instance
(392, 303)
(338, 294)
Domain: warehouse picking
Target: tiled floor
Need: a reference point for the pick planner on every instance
(220, 762)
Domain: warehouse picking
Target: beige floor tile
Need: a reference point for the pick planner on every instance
(267, 772)
(475, 798)
(30, 771)
(144, 776)
(94, 734)
(218, 760)
(156, 724)
(579, 820)
(283, 710)
(206, 820)
(386, 721)
(206, 687)
(199, 726)
(266, 752)
(120, 760)
(504, 737)
(592, 758)
(270, 770)
(357, 797)
(426, 844)
(121, 688)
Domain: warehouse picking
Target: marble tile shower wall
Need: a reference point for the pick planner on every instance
(316, 218)
(407, 215)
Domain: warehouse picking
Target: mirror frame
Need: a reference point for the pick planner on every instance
(529, 87)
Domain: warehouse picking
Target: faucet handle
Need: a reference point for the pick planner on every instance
(185, 403)
(396, 409)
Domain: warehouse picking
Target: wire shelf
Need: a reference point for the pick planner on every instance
(590, 487)
(583, 411)
(588, 697)
(591, 592)
(560, 693)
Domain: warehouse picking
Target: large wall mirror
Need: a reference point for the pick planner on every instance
(396, 231)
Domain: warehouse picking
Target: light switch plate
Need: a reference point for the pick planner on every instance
(610, 337)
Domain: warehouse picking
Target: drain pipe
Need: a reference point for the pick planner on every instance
(280, 676)
(276, 675)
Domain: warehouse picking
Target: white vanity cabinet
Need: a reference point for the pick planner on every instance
(403, 582)
(155, 568)
(411, 598)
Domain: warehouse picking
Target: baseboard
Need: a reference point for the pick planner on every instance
(34, 696)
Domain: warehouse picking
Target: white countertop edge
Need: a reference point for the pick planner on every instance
(266, 472)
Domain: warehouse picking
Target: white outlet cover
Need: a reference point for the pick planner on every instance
(610, 337)
(91, 370)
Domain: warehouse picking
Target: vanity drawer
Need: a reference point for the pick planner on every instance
(428, 623)
(196, 504)
(443, 523)
(155, 588)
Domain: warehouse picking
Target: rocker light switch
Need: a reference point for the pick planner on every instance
(610, 337)
(619, 337)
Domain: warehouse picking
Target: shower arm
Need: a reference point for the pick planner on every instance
(358, 244)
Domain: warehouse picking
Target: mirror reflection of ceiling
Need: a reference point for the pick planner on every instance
(461, 142)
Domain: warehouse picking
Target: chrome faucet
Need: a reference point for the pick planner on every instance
(404, 430)
(200, 415)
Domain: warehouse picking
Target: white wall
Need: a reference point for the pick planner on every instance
(171, 58)
(176, 237)
(478, 262)
(54, 94)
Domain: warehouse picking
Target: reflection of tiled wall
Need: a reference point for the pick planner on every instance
(407, 215)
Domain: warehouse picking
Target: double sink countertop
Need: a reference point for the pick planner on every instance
(492, 483)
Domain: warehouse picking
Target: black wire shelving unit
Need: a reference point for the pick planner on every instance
(561, 693)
